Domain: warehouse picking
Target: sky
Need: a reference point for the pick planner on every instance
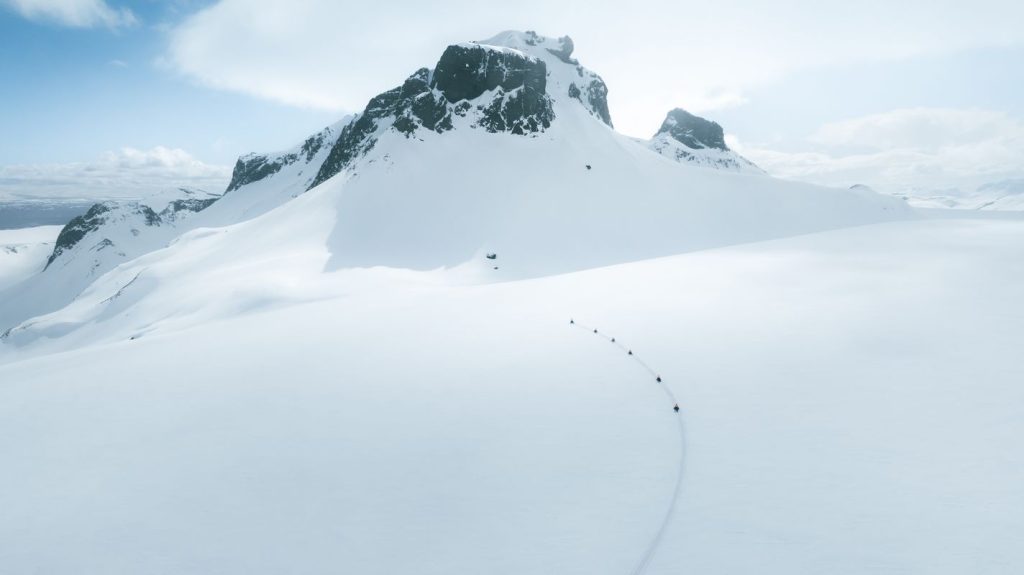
(104, 98)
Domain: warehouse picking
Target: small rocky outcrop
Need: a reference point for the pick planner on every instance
(594, 95)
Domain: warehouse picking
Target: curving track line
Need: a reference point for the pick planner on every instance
(652, 547)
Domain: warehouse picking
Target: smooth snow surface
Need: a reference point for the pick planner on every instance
(851, 399)
(23, 252)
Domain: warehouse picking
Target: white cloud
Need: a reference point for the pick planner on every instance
(73, 13)
(657, 54)
(918, 148)
(127, 173)
(920, 128)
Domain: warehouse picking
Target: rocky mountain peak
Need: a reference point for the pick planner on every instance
(693, 131)
(566, 77)
(690, 139)
(511, 83)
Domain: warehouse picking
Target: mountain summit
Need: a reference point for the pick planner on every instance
(693, 131)
(687, 138)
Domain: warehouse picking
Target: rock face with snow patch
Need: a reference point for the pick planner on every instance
(588, 88)
(499, 85)
(253, 168)
(497, 89)
(466, 71)
(693, 131)
(519, 103)
(690, 139)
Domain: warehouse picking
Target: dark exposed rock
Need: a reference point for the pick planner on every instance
(152, 219)
(406, 107)
(464, 73)
(253, 168)
(594, 96)
(693, 140)
(598, 99)
(693, 131)
(313, 144)
(518, 113)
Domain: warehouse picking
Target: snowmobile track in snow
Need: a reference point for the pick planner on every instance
(652, 548)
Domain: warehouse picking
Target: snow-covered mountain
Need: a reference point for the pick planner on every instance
(90, 245)
(504, 147)
(328, 367)
(691, 139)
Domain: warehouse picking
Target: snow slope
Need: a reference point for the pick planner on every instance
(639, 209)
(851, 404)
(728, 160)
(23, 252)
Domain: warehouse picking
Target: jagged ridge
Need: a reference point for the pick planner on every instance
(464, 73)
(104, 212)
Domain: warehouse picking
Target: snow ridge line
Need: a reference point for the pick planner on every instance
(652, 548)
